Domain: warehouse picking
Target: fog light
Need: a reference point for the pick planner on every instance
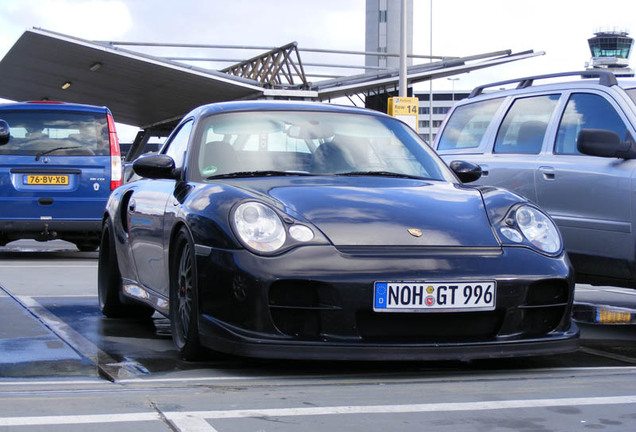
(301, 233)
(511, 234)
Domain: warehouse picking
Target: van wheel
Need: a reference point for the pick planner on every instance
(109, 281)
(87, 246)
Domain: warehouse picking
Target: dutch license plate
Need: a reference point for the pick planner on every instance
(46, 179)
(434, 296)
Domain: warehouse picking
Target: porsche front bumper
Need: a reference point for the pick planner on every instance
(316, 302)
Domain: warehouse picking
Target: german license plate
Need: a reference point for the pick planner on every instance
(46, 179)
(441, 296)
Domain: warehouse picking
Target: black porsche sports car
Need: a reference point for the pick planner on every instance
(306, 230)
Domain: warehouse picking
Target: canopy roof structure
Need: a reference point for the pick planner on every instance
(149, 92)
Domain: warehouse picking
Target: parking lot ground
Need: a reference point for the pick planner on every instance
(30, 348)
(57, 330)
(121, 350)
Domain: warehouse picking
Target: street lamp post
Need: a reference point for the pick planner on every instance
(403, 84)
(430, 83)
(453, 93)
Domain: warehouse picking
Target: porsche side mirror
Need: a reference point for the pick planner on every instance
(466, 171)
(604, 143)
(154, 166)
(4, 132)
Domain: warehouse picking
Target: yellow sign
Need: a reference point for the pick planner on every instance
(405, 109)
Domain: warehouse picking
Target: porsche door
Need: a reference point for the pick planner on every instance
(151, 210)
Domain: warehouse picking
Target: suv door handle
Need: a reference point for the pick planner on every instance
(547, 172)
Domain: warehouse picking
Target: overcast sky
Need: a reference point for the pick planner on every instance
(459, 27)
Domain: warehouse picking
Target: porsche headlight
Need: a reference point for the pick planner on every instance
(259, 227)
(538, 229)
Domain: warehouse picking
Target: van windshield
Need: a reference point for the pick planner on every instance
(56, 133)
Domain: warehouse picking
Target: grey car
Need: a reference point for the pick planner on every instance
(567, 146)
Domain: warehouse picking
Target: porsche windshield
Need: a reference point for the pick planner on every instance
(310, 142)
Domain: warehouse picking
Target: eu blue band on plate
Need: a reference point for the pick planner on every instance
(381, 295)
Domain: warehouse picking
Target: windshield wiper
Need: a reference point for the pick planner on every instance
(381, 174)
(270, 173)
(45, 152)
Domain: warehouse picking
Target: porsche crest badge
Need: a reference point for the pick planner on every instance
(415, 232)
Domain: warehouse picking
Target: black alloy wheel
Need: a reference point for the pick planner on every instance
(184, 308)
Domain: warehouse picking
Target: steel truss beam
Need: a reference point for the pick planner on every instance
(275, 68)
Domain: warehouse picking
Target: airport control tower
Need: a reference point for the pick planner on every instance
(610, 51)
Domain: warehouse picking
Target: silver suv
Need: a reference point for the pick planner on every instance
(567, 146)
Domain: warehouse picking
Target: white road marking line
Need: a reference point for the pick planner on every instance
(203, 379)
(79, 419)
(198, 418)
(379, 375)
(21, 383)
(198, 379)
(410, 408)
(87, 296)
(189, 422)
(48, 266)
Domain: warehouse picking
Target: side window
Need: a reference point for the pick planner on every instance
(523, 128)
(178, 145)
(586, 111)
(467, 125)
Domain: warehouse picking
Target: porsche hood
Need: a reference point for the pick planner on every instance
(391, 212)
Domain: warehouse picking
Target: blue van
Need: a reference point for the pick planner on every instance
(58, 165)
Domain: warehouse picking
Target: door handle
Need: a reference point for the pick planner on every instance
(547, 172)
(484, 170)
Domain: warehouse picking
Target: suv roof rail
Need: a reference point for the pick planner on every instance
(606, 78)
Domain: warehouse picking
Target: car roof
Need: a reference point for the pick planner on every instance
(51, 106)
(627, 83)
(278, 105)
(588, 79)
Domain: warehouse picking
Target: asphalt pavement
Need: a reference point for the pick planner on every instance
(29, 348)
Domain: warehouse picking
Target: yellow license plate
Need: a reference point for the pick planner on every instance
(47, 180)
(605, 316)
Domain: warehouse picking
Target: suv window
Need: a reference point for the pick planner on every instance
(468, 124)
(56, 133)
(524, 126)
(586, 111)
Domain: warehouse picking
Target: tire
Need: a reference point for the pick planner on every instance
(109, 281)
(87, 247)
(184, 309)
